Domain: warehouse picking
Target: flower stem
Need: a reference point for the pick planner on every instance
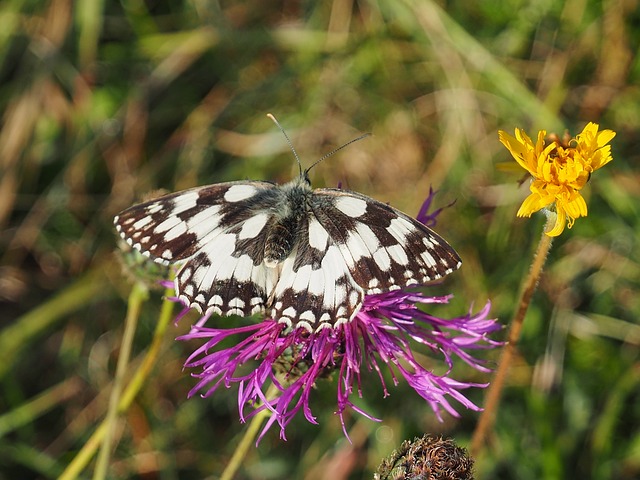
(88, 450)
(138, 295)
(249, 435)
(487, 418)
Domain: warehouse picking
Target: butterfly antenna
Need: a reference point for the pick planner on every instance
(288, 141)
(337, 150)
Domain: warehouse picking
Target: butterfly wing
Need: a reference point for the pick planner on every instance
(346, 245)
(315, 288)
(383, 248)
(218, 232)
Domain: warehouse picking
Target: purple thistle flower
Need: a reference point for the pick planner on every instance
(379, 336)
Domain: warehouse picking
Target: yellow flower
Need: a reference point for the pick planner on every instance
(560, 168)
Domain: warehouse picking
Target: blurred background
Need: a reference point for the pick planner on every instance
(104, 102)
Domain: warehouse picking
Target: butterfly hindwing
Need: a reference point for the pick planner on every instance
(315, 288)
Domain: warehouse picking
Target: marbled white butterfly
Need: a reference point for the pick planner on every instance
(306, 257)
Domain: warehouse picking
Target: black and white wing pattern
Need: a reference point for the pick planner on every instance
(218, 232)
(305, 257)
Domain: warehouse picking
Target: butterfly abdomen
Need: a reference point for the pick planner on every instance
(288, 217)
(280, 241)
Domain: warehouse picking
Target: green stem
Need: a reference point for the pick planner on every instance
(88, 450)
(137, 297)
(249, 435)
(487, 418)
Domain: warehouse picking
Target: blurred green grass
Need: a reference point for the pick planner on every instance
(103, 102)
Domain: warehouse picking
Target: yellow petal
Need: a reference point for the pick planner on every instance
(558, 228)
(531, 204)
(577, 207)
(517, 148)
(604, 137)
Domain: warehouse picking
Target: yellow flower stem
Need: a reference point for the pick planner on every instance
(247, 440)
(88, 450)
(487, 418)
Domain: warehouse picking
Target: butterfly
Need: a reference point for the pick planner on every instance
(306, 257)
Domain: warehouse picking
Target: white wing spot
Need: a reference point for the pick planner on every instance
(302, 279)
(400, 229)
(289, 312)
(353, 298)
(154, 208)
(368, 237)
(256, 309)
(304, 325)
(143, 222)
(253, 226)
(317, 282)
(179, 229)
(428, 259)
(356, 248)
(236, 303)
(171, 222)
(185, 275)
(381, 257)
(428, 243)
(215, 300)
(308, 316)
(318, 236)
(351, 206)
(284, 320)
(398, 254)
(340, 294)
(204, 222)
(182, 202)
(237, 193)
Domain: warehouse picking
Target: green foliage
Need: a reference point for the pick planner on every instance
(103, 102)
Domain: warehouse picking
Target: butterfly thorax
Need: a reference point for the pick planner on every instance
(289, 213)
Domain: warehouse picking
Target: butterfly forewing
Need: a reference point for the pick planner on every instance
(326, 249)
(176, 226)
